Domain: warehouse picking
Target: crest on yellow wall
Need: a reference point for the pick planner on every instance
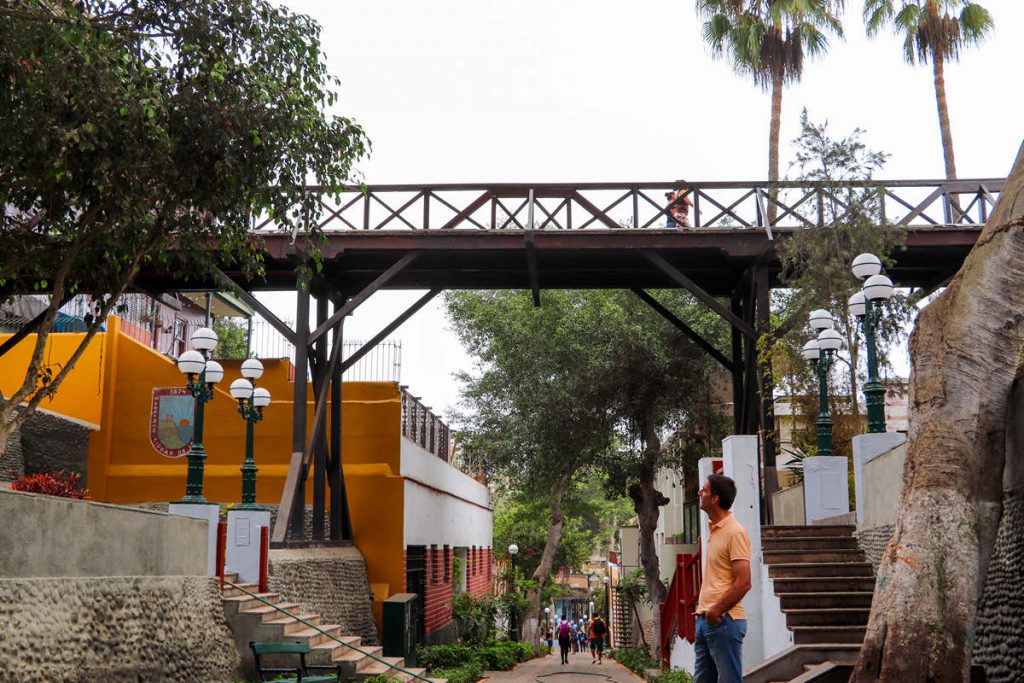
(170, 421)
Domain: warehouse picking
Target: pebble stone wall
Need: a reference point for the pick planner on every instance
(999, 646)
(331, 582)
(97, 630)
(12, 459)
(873, 541)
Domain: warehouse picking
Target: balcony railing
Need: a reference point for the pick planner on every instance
(422, 426)
(678, 612)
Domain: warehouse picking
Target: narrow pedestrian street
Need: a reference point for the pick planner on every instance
(580, 669)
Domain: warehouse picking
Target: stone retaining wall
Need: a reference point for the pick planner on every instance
(873, 541)
(97, 630)
(331, 582)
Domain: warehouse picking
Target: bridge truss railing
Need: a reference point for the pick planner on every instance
(715, 205)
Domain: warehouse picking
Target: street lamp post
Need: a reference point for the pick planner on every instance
(866, 305)
(607, 599)
(513, 635)
(202, 375)
(547, 620)
(251, 402)
(820, 353)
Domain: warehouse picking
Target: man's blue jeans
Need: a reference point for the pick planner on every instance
(718, 650)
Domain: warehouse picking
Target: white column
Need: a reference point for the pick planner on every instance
(826, 487)
(705, 467)
(867, 447)
(243, 551)
(211, 513)
(739, 454)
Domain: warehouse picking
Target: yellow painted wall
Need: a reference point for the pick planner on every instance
(112, 386)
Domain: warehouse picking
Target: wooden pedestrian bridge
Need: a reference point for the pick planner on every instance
(536, 236)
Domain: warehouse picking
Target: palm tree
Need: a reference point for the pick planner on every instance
(931, 30)
(767, 40)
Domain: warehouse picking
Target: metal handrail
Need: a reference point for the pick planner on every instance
(325, 633)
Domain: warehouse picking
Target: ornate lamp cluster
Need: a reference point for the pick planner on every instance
(251, 402)
(202, 375)
(866, 305)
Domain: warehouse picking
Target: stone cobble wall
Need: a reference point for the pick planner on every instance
(52, 443)
(999, 645)
(97, 630)
(873, 541)
(331, 582)
(12, 459)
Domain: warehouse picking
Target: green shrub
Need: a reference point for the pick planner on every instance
(445, 656)
(385, 678)
(635, 660)
(677, 676)
(469, 672)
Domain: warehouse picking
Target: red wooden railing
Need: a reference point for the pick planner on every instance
(678, 612)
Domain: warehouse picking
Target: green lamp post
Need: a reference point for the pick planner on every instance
(866, 305)
(513, 635)
(821, 354)
(251, 402)
(202, 375)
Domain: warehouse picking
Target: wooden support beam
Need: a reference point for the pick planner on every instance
(685, 329)
(341, 520)
(737, 366)
(391, 327)
(317, 438)
(291, 512)
(531, 265)
(362, 296)
(766, 396)
(664, 266)
(254, 303)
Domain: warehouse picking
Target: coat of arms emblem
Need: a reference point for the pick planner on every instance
(170, 421)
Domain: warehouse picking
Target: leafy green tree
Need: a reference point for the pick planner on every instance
(232, 338)
(590, 379)
(145, 135)
(767, 40)
(932, 29)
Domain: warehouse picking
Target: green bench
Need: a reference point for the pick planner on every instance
(260, 650)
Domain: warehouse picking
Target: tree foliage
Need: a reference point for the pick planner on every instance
(145, 135)
(816, 273)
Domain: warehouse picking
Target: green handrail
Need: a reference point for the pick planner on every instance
(323, 632)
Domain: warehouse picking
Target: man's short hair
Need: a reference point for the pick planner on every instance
(723, 487)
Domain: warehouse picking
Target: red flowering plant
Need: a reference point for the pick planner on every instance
(62, 484)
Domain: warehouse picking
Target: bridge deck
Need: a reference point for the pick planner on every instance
(590, 259)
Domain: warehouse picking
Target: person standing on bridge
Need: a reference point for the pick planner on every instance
(679, 204)
(721, 621)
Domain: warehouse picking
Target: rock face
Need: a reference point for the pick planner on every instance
(47, 442)
(95, 630)
(331, 582)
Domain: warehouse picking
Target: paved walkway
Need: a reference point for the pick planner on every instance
(578, 670)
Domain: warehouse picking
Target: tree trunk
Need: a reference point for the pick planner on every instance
(547, 561)
(946, 131)
(965, 351)
(773, 144)
(647, 502)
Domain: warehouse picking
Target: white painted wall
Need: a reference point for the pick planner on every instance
(826, 487)
(683, 656)
(776, 635)
(243, 543)
(866, 448)
(443, 506)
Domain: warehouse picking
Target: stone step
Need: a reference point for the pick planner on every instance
(808, 530)
(291, 625)
(820, 570)
(407, 674)
(231, 591)
(231, 576)
(809, 542)
(242, 603)
(829, 584)
(828, 634)
(843, 616)
(818, 556)
(825, 600)
(271, 612)
(372, 667)
(316, 636)
(792, 661)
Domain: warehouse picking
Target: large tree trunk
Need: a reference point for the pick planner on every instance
(773, 144)
(547, 560)
(647, 502)
(965, 351)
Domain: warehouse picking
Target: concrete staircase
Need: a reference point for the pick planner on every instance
(824, 587)
(252, 620)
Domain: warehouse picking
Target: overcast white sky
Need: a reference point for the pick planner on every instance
(595, 90)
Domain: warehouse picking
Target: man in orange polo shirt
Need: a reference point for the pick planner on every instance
(721, 621)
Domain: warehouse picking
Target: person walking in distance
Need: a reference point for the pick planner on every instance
(564, 639)
(598, 630)
(721, 621)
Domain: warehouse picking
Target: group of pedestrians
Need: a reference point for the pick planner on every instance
(573, 638)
